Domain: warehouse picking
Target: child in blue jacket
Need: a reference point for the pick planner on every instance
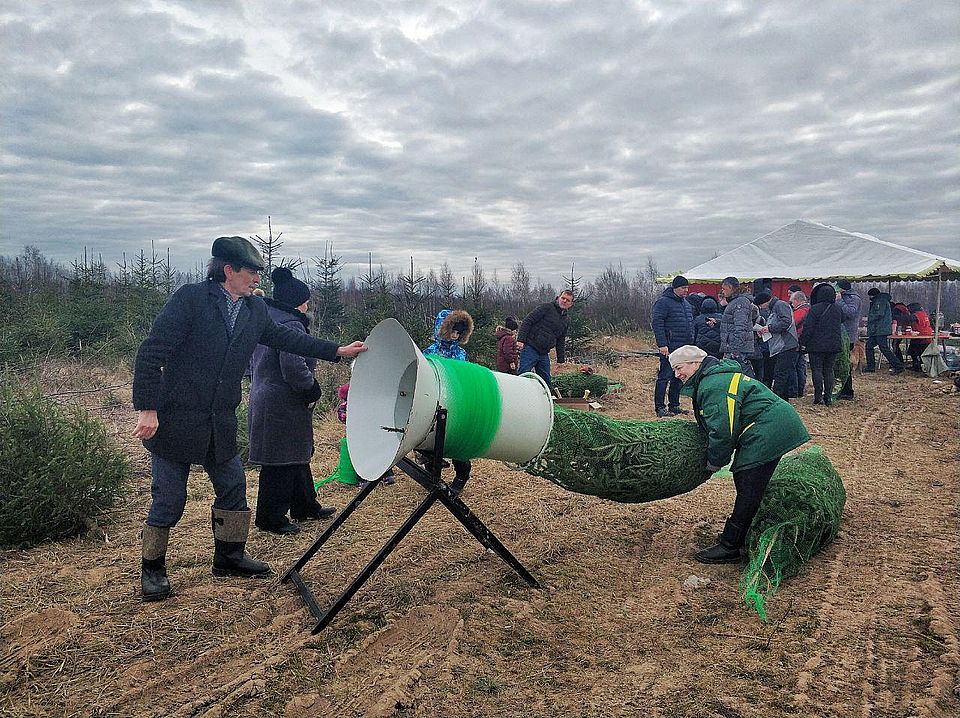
(451, 330)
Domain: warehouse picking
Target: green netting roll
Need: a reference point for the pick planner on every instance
(344, 473)
(799, 515)
(575, 383)
(474, 406)
(630, 461)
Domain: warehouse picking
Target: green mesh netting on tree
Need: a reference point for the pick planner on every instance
(841, 365)
(575, 383)
(630, 461)
(799, 515)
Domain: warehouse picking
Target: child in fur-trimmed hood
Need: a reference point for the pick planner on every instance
(450, 332)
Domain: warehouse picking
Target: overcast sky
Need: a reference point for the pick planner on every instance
(549, 132)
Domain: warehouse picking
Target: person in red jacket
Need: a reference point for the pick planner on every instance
(507, 351)
(798, 300)
(920, 324)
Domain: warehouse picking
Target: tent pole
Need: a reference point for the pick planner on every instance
(939, 293)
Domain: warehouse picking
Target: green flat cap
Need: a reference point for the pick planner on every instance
(238, 250)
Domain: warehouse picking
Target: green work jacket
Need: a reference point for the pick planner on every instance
(741, 414)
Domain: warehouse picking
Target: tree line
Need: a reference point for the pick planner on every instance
(89, 308)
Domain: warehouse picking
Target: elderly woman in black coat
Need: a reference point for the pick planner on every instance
(282, 397)
(822, 341)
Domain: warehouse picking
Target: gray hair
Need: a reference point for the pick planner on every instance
(215, 269)
(798, 297)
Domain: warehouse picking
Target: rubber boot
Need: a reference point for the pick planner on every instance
(230, 530)
(727, 548)
(461, 476)
(154, 584)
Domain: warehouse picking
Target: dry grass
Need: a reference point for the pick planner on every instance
(444, 628)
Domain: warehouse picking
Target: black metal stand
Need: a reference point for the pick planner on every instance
(437, 490)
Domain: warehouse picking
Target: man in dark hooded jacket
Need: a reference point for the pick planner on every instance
(879, 321)
(706, 334)
(186, 389)
(672, 328)
(822, 340)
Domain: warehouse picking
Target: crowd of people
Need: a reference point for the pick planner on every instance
(744, 353)
(776, 340)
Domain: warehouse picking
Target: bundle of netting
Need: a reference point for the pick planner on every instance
(574, 384)
(629, 461)
(841, 365)
(799, 515)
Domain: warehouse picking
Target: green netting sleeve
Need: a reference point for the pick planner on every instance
(473, 405)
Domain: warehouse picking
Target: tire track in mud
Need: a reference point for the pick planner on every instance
(868, 659)
(218, 678)
(383, 672)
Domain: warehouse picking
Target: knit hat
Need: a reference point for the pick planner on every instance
(844, 284)
(237, 250)
(511, 324)
(761, 298)
(679, 281)
(873, 292)
(287, 289)
(687, 352)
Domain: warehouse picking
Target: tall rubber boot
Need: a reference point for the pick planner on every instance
(154, 584)
(461, 476)
(230, 530)
(727, 548)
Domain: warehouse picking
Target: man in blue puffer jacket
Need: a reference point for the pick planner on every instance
(672, 329)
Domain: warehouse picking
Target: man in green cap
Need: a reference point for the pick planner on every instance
(186, 389)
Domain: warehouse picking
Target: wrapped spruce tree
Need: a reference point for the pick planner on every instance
(799, 515)
(625, 460)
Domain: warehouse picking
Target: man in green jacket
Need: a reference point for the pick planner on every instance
(739, 414)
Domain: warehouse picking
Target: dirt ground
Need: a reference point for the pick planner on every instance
(870, 628)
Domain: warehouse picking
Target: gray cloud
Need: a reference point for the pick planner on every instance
(545, 132)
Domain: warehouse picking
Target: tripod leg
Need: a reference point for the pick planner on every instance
(322, 539)
(484, 535)
(375, 562)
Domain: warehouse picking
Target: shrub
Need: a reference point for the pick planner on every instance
(58, 470)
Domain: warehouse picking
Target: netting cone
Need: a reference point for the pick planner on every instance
(395, 392)
(344, 473)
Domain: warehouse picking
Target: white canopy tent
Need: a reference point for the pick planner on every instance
(806, 250)
(812, 251)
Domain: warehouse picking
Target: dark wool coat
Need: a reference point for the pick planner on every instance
(821, 328)
(705, 336)
(281, 422)
(672, 320)
(545, 328)
(189, 369)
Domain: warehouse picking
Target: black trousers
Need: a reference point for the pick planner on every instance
(914, 351)
(283, 489)
(785, 373)
(751, 484)
(821, 370)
